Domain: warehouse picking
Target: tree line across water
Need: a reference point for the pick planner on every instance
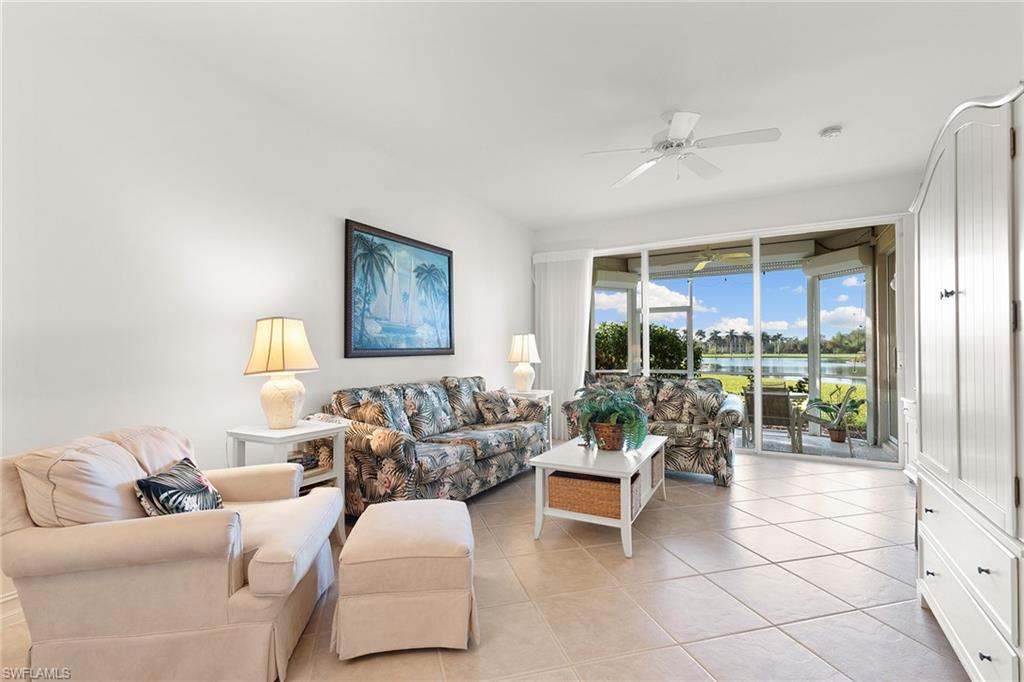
(668, 345)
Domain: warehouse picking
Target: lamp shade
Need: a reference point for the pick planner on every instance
(280, 345)
(524, 349)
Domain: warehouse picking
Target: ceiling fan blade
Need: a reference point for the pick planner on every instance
(637, 172)
(700, 167)
(736, 255)
(700, 266)
(748, 137)
(641, 150)
(683, 123)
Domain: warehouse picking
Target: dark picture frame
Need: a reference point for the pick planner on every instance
(398, 295)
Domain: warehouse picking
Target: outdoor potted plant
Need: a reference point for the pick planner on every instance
(610, 418)
(829, 409)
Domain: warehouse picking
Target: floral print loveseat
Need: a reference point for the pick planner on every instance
(431, 440)
(696, 415)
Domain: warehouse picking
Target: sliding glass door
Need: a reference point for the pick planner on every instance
(784, 323)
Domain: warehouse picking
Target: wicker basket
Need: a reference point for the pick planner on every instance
(608, 436)
(592, 495)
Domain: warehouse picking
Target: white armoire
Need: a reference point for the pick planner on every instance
(971, 366)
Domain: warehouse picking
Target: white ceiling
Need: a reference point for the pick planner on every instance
(502, 100)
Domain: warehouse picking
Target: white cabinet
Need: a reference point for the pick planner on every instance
(966, 308)
(969, 276)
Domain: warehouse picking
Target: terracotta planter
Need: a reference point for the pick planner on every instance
(837, 435)
(608, 436)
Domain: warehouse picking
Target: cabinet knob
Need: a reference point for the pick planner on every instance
(929, 572)
(984, 570)
(929, 510)
(984, 657)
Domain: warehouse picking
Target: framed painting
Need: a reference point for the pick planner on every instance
(398, 295)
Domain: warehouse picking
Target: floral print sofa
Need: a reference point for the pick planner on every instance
(696, 415)
(431, 440)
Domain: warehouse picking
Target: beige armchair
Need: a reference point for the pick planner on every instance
(209, 595)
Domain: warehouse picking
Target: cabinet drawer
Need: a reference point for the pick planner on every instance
(988, 569)
(979, 644)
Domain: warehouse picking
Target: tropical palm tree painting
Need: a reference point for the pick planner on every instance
(398, 294)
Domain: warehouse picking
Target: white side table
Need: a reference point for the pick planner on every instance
(281, 439)
(543, 395)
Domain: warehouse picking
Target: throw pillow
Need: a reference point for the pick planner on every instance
(182, 488)
(497, 407)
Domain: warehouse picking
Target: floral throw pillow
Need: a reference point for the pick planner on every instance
(460, 392)
(428, 409)
(182, 488)
(497, 406)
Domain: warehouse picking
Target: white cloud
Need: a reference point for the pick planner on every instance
(606, 301)
(662, 296)
(737, 324)
(801, 323)
(799, 289)
(774, 325)
(853, 281)
(842, 298)
(843, 317)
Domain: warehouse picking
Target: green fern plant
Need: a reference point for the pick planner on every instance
(603, 405)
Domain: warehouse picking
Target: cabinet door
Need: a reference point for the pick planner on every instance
(938, 340)
(983, 473)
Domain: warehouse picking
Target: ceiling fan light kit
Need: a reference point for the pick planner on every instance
(677, 142)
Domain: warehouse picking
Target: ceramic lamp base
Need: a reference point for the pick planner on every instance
(282, 397)
(523, 375)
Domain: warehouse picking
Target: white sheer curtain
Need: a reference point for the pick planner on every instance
(561, 286)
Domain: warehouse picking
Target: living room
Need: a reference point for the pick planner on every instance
(278, 232)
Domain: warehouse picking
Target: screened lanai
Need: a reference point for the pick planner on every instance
(824, 355)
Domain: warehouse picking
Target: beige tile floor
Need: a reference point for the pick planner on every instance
(802, 570)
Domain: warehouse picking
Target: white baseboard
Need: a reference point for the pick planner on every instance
(10, 607)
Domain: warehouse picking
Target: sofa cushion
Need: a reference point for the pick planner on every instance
(89, 480)
(434, 459)
(496, 406)
(644, 389)
(408, 546)
(182, 488)
(460, 392)
(156, 448)
(685, 401)
(390, 397)
(695, 435)
(488, 440)
(281, 538)
(428, 410)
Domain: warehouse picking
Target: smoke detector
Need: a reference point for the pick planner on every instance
(830, 132)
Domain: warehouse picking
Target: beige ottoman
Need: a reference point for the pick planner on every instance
(405, 580)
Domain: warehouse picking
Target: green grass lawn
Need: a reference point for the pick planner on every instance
(735, 384)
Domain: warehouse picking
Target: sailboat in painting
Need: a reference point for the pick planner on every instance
(398, 296)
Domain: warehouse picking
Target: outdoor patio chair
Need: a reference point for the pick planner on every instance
(776, 410)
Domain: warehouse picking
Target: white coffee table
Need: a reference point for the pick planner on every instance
(574, 457)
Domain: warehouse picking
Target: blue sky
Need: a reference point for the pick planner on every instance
(726, 303)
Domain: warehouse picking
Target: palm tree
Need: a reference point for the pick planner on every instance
(700, 335)
(432, 282)
(716, 339)
(777, 338)
(732, 341)
(748, 341)
(372, 260)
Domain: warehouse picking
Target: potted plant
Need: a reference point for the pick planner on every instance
(829, 409)
(610, 418)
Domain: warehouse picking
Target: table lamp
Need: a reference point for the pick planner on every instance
(280, 350)
(524, 351)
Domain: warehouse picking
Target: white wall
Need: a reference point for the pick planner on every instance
(154, 209)
(815, 205)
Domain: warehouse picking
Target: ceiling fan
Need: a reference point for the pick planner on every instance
(709, 256)
(677, 142)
